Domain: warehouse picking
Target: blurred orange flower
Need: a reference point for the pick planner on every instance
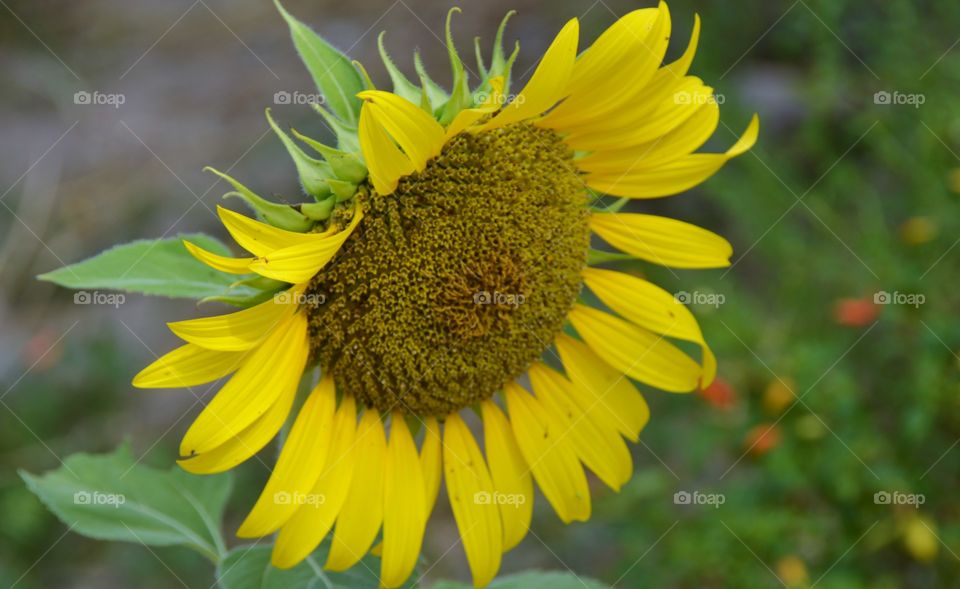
(762, 438)
(855, 312)
(720, 394)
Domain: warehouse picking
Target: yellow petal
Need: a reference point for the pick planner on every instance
(649, 306)
(628, 56)
(550, 455)
(512, 483)
(667, 76)
(235, 332)
(301, 460)
(632, 142)
(612, 391)
(362, 512)
(187, 366)
(269, 373)
(385, 162)
(430, 462)
(662, 240)
(218, 262)
(635, 351)
(616, 46)
(245, 444)
(470, 490)
(593, 433)
(637, 102)
(549, 82)
(674, 176)
(419, 134)
(299, 263)
(309, 525)
(469, 116)
(259, 238)
(404, 506)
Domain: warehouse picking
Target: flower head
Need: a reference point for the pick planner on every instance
(435, 281)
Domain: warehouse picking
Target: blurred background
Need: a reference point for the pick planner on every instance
(825, 456)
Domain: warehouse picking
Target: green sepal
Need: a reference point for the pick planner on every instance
(346, 135)
(319, 211)
(342, 190)
(367, 82)
(481, 67)
(263, 288)
(614, 207)
(595, 257)
(460, 96)
(314, 173)
(242, 301)
(401, 85)
(345, 166)
(508, 67)
(499, 65)
(425, 97)
(259, 283)
(437, 94)
(276, 214)
(331, 70)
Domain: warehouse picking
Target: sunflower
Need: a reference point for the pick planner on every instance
(436, 281)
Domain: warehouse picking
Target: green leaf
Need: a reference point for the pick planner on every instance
(332, 71)
(113, 497)
(532, 580)
(161, 267)
(248, 567)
